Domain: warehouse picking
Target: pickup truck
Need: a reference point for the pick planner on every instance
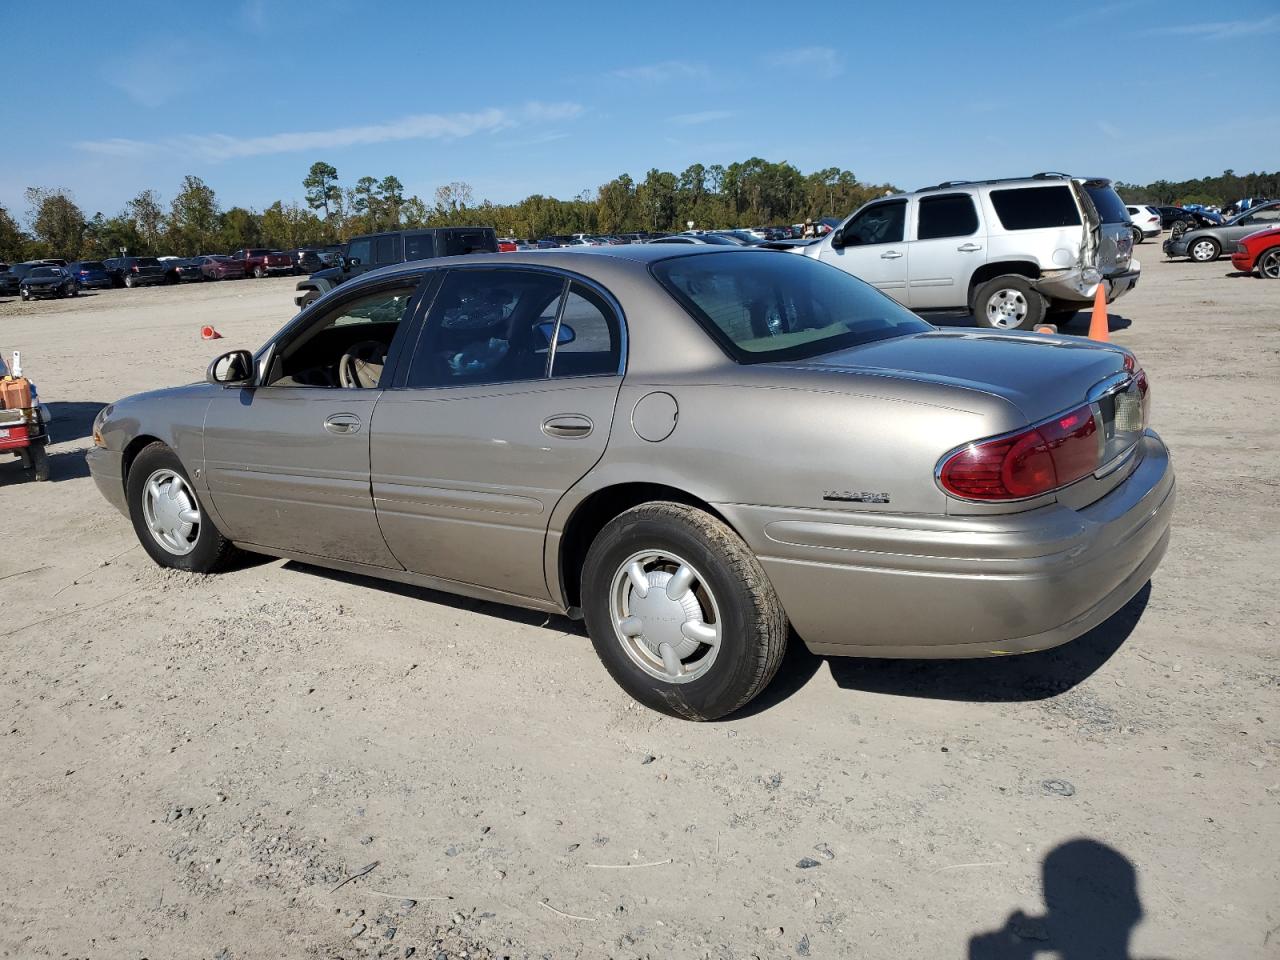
(371, 251)
(263, 263)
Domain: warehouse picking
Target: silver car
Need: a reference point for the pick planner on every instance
(1206, 244)
(697, 449)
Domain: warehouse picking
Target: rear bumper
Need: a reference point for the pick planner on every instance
(881, 585)
(107, 469)
(1070, 287)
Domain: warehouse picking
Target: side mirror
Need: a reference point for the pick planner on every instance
(566, 335)
(353, 261)
(232, 369)
(837, 239)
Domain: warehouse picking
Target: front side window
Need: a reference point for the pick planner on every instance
(881, 223)
(1035, 208)
(361, 250)
(952, 216)
(488, 326)
(346, 346)
(762, 306)
(1269, 215)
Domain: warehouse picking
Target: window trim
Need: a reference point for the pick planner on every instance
(906, 213)
(405, 362)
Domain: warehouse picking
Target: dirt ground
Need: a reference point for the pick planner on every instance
(189, 766)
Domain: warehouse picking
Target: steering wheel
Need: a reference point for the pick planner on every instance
(361, 366)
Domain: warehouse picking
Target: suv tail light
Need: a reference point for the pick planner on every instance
(1052, 454)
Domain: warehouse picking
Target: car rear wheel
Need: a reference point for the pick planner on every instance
(167, 516)
(1269, 264)
(128, 280)
(308, 299)
(1137, 235)
(1008, 303)
(24, 294)
(1204, 250)
(680, 612)
(259, 272)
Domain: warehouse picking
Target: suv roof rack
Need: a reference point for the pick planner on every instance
(949, 184)
(1050, 175)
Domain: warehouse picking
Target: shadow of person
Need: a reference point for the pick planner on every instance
(1091, 909)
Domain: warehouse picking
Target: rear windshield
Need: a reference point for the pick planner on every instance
(460, 242)
(762, 305)
(1110, 206)
(45, 272)
(92, 265)
(1033, 208)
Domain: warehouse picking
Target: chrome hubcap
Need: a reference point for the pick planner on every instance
(1007, 308)
(665, 616)
(1202, 250)
(1271, 266)
(171, 512)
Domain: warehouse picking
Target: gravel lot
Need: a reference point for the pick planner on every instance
(190, 765)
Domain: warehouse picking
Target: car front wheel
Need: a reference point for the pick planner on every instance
(680, 612)
(1269, 264)
(167, 516)
(1204, 250)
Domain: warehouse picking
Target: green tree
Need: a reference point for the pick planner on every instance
(239, 228)
(55, 220)
(321, 183)
(13, 242)
(149, 218)
(391, 200)
(193, 217)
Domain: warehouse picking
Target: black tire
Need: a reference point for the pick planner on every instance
(211, 549)
(24, 295)
(128, 281)
(1269, 264)
(310, 297)
(38, 458)
(1207, 244)
(1137, 235)
(259, 273)
(991, 296)
(752, 624)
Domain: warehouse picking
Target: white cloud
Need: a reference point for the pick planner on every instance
(705, 116)
(813, 61)
(1222, 29)
(666, 70)
(422, 126)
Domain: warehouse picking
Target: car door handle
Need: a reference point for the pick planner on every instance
(571, 426)
(969, 247)
(341, 423)
(890, 255)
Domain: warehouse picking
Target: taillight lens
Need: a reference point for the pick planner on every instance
(1035, 461)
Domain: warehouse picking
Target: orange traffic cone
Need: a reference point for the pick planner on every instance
(1099, 329)
(208, 333)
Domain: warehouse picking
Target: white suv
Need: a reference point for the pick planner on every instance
(1015, 252)
(1146, 222)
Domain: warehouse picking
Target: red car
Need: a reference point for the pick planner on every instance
(217, 267)
(262, 263)
(1259, 251)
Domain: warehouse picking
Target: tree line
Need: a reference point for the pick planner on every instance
(752, 193)
(1218, 191)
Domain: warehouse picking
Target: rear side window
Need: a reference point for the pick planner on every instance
(460, 242)
(1033, 208)
(595, 348)
(419, 246)
(952, 216)
(386, 250)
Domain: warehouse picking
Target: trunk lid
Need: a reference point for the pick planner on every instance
(1040, 375)
(1109, 226)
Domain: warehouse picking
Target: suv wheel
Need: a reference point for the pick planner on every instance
(1008, 303)
(128, 280)
(1137, 235)
(259, 272)
(1204, 250)
(680, 611)
(310, 297)
(1269, 264)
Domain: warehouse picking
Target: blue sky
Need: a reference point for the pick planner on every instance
(557, 98)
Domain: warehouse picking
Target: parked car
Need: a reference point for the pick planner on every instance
(1169, 216)
(1259, 251)
(508, 245)
(643, 437)
(259, 262)
(306, 260)
(188, 270)
(1205, 244)
(11, 279)
(1015, 252)
(90, 274)
(375, 250)
(216, 266)
(47, 281)
(1145, 222)
(135, 271)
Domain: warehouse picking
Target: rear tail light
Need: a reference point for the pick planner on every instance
(1027, 464)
